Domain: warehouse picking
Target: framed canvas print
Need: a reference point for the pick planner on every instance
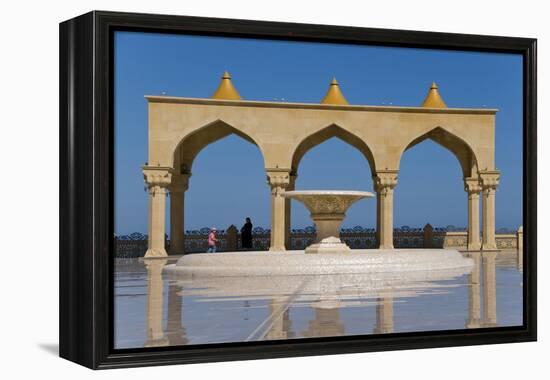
(237, 189)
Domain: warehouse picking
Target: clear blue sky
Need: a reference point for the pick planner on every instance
(430, 187)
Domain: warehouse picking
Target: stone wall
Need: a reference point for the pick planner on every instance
(458, 240)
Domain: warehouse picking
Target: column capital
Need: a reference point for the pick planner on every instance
(472, 185)
(385, 180)
(180, 183)
(489, 179)
(278, 179)
(160, 176)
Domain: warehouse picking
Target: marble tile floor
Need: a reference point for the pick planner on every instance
(153, 309)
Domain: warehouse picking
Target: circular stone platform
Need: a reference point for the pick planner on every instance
(291, 263)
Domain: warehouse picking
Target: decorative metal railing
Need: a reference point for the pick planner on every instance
(135, 244)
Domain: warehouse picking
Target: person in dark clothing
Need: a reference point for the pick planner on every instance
(246, 235)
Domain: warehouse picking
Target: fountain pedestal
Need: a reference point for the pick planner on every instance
(328, 210)
(330, 244)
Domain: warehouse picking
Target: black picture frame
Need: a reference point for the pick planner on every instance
(86, 196)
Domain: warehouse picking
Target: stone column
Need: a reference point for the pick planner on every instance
(178, 187)
(489, 183)
(155, 300)
(519, 237)
(385, 181)
(157, 179)
(489, 290)
(288, 222)
(473, 188)
(474, 294)
(278, 180)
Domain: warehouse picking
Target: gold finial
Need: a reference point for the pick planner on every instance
(433, 99)
(226, 90)
(334, 95)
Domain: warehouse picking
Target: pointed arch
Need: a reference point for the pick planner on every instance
(323, 135)
(191, 145)
(458, 147)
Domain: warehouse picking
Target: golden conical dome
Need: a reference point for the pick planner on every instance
(334, 95)
(226, 90)
(433, 99)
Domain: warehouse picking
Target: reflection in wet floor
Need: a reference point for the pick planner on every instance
(153, 309)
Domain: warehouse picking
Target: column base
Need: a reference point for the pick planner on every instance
(156, 252)
(328, 245)
(160, 342)
(277, 249)
(382, 330)
(384, 246)
(473, 324)
(474, 247)
(490, 248)
(489, 254)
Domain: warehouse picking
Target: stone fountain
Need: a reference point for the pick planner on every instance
(328, 210)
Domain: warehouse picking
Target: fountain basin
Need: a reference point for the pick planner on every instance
(292, 263)
(328, 210)
(332, 287)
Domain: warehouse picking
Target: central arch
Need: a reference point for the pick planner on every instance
(317, 139)
(323, 135)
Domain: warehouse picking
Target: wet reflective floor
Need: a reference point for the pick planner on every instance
(153, 309)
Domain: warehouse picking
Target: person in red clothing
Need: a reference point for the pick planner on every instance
(212, 240)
